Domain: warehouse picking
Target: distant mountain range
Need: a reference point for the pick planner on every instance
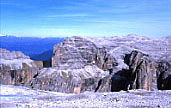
(36, 48)
(42, 56)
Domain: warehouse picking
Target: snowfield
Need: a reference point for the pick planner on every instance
(22, 97)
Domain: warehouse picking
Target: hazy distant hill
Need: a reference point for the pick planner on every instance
(43, 56)
(36, 48)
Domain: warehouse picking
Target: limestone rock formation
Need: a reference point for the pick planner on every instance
(84, 79)
(143, 72)
(95, 64)
(129, 63)
(77, 63)
(77, 52)
(15, 67)
(14, 60)
(156, 48)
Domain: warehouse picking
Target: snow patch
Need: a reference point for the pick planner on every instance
(16, 63)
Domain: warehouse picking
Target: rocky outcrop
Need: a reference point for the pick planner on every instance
(70, 80)
(77, 52)
(143, 72)
(16, 77)
(98, 64)
(14, 60)
(156, 48)
(129, 63)
(140, 75)
(15, 67)
(83, 66)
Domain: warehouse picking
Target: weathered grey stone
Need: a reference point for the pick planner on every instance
(142, 70)
(140, 75)
(7, 55)
(77, 63)
(130, 61)
(15, 68)
(98, 64)
(86, 79)
(16, 77)
(77, 52)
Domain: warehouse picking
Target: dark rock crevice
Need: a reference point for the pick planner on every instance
(164, 75)
(98, 86)
(138, 76)
(120, 80)
(47, 63)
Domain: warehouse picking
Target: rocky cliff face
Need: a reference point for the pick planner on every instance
(142, 71)
(106, 64)
(144, 68)
(15, 67)
(126, 64)
(77, 52)
(67, 80)
(83, 66)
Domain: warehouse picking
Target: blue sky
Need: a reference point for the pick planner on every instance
(56, 18)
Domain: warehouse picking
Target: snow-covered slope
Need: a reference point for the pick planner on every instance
(14, 59)
(22, 97)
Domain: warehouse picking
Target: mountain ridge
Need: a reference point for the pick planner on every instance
(30, 46)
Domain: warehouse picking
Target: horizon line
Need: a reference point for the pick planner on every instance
(3, 35)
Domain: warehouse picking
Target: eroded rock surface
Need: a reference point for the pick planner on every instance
(101, 64)
(142, 70)
(15, 67)
(52, 79)
(77, 52)
(129, 62)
